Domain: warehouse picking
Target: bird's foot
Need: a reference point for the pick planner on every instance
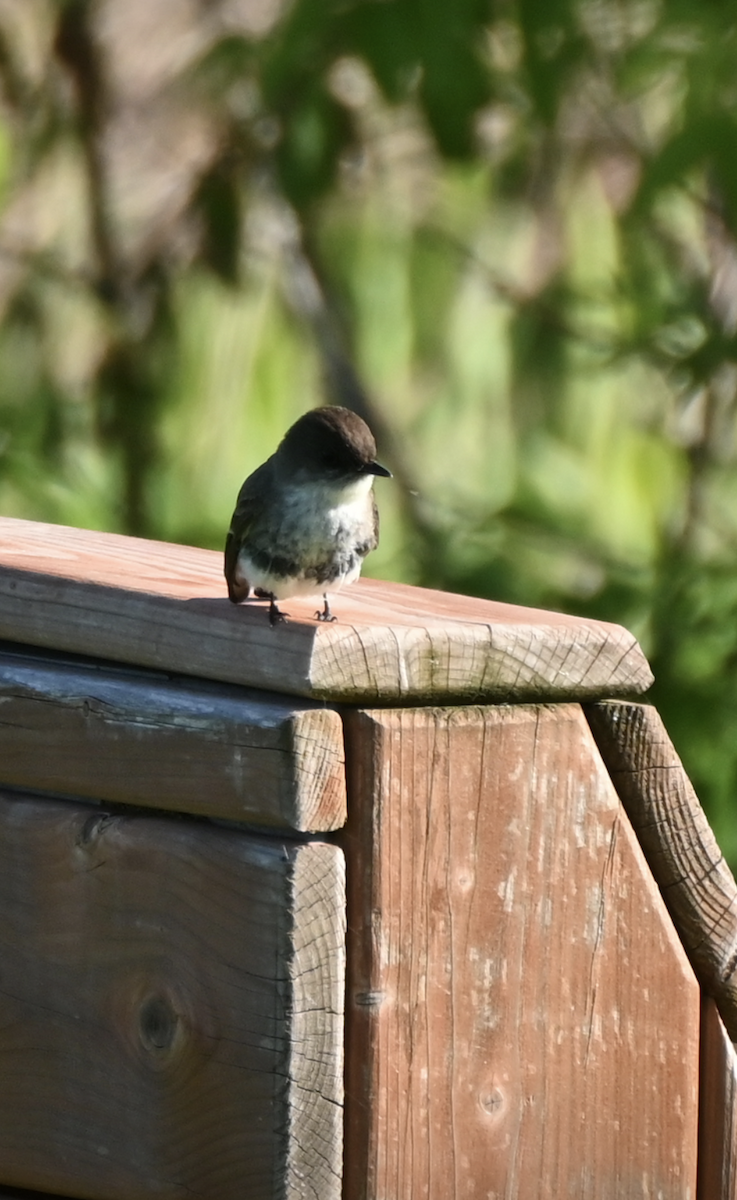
(276, 616)
(325, 614)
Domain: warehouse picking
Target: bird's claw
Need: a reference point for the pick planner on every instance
(276, 616)
(325, 614)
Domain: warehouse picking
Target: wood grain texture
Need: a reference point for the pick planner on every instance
(165, 606)
(717, 1109)
(683, 854)
(169, 994)
(316, 1015)
(521, 1018)
(137, 737)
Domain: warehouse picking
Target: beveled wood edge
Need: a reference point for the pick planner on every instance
(465, 662)
(696, 883)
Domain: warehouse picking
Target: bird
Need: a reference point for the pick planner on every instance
(306, 518)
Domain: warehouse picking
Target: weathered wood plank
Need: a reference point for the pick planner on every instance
(521, 1018)
(164, 606)
(717, 1109)
(169, 994)
(681, 849)
(136, 737)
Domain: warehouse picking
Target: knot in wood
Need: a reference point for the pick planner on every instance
(157, 1023)
(93, 827)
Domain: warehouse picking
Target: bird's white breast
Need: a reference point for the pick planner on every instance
(319, 514)
(314, 520)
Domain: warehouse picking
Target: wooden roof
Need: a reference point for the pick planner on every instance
(165, 606)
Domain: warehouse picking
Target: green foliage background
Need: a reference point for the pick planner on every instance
(504, 231)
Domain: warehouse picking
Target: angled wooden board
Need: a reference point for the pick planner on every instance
(171, 1003)
(140, 737)
(522, 1020)
(165, 606)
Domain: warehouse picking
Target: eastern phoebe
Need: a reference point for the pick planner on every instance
(306, 518)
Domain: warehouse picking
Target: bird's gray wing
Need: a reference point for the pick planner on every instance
(249, 507)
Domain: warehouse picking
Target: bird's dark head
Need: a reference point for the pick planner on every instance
(332, 445)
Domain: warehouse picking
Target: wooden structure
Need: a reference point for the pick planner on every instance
(415, 906)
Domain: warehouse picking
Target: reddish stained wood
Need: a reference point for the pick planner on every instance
(165, 606)
(521, 1018)
(140, 737)
(683, 853)
(171, 993)
(717, 1109)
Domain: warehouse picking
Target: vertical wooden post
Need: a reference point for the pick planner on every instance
(521, 1018)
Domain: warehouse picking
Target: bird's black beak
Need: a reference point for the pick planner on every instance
(374, 468)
